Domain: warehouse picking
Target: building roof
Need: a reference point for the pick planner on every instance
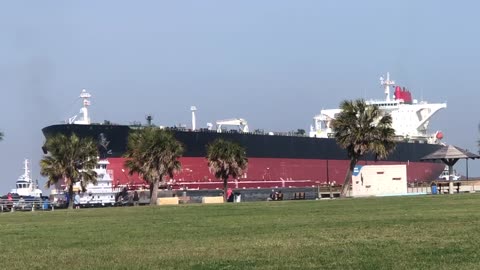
(450, 152)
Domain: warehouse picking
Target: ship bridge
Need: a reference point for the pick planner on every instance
(410, 118)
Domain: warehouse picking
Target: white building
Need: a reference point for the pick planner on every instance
(379, 180)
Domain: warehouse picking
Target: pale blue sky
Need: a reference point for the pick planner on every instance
(275, 63)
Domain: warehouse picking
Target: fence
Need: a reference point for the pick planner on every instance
(26, 205)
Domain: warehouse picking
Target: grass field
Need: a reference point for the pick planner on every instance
(428, 232)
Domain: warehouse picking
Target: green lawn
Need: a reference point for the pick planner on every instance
(427, 232)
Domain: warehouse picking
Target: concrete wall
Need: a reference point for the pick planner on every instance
(167, 201)
(378, 180)
(247, 195)
(212, 199)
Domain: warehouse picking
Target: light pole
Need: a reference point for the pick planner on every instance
(126, 176)
(328, 182)
(467, 164)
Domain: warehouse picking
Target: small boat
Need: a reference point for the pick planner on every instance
(25, 186)
(446, 176)
(26, 194)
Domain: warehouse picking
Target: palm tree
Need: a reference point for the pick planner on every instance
(225, 159)
(153, 153)
(360, 128)
(70, 158)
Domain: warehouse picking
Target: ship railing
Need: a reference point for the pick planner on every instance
(232, 131)
(27, 205)
(412, 139)
(105, 201)
(256, 132)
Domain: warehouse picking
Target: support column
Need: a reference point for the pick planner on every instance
(450, 162)
(450, 179)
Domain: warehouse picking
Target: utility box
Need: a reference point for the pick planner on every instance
(379, 180)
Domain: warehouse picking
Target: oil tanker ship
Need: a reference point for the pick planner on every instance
(291, 159)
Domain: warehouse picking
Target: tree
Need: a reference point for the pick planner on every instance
(300, 132)
(360, 129)
(153, 153)
(1, 136)
(225, 159)
(70, 158)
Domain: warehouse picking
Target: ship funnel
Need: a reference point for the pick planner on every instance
(193, 109)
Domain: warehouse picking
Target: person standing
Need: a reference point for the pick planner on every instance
(229, 195)
(46, 202)
(76, 200)
(135, 198)
(67, 199)
(9, 200)
(21, 203)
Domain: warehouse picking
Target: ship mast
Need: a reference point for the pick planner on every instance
(86, 102)
(27, 176)
(25, 168)
(387, 83)
(193, 109)
(84, 110)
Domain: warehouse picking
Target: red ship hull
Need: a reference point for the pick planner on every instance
(272, 172)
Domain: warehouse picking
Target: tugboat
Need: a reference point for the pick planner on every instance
(102, 193)
(26, 194)
(25, 186)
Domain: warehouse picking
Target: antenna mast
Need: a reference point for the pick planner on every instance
(25, 168)
(387, 83)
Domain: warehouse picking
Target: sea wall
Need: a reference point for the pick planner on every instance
(246, 195)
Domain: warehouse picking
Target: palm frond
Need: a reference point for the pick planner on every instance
(153, 153)
(226, 159)
(360, 128)
(69, 158)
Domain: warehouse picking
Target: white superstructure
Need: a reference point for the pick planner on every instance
(25, 185)
(410, 118)
(446, 175)
(85, 120)
(103, 192)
